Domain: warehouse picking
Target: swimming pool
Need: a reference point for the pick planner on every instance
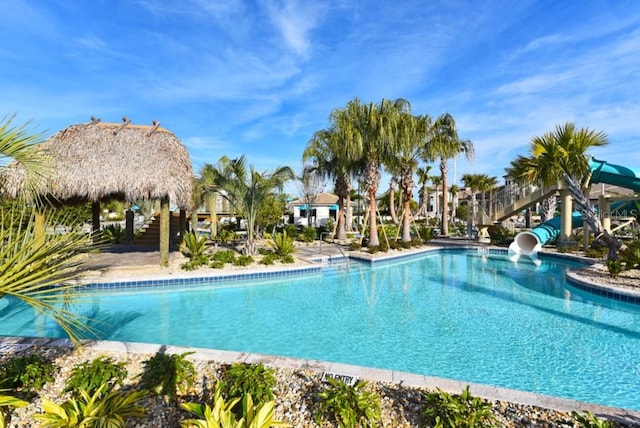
(455, 314)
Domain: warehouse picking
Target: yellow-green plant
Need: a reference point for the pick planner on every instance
(589, 420)
(221, 415)
(103, 408)
(8, 402)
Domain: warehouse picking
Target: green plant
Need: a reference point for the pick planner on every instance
(248, 379)
(444, 410)
(287, 259)
(90, 376)
(221, 415)
(114, 233)
(243, 260)
(630, 256)
(597, 252)
(292, 230)
(308, 234)
(223, 256)
(614, 267)
(282, 244)
(268, 259)
(194, 245)
(224, 235)
(349, 405)
(168, 374)
(103, 408)
(355, 245)
(588, 420)
(28, 373)
(8, 402)
(428, 233)
(500, 235)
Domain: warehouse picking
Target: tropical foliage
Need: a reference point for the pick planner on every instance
(245, 189)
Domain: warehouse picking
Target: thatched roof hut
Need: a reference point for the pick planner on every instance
(96, 161)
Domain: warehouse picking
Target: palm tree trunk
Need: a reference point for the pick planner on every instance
(392, 202)
(445, 199)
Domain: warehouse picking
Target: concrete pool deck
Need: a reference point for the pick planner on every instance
(124, 264)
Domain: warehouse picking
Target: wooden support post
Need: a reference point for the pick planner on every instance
(128, 226)
(183, 225)
(165, 223)
(213, 210)
(95, 220)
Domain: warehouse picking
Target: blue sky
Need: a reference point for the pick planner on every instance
(259, 78)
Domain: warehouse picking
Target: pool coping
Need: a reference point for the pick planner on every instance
(494, 393)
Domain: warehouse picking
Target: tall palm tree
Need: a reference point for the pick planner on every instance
(424, 177)
(453, 190)
(485, 184)
(246, 189)
(33, 266)
(473, 183)
(332, 155)
(445, 144)
(410, 138)
(373, 130)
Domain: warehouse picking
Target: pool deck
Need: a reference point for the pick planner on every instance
(124, 262)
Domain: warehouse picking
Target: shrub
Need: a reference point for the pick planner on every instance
(194, 264)
(268, 259)
(614, 267)
(194, 245)
(114, 233)
(243, 379)
(224, 235)
(8, 402)
(224, 256)
(597, 252)
(288, 259)
(103, 408)
(222, 413)
(349, 405)
(354, 246)
(28, 373)
(292, 230)
(243, 260)
(90, 376)
(167, 375)
(588, 420)
(630, 256)
(282, 244)
(308, 234)
(457, 411)
(499, 235)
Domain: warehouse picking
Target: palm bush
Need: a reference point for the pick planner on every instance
(243, 379)
(114, 233)
(350, 405)
(282, 244)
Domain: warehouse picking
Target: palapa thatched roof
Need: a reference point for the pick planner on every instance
(95, 161)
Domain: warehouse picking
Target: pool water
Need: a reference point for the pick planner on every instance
(455, 314)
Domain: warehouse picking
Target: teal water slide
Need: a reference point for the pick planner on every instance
(530, 242)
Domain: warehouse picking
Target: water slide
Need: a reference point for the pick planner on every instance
(530, 242)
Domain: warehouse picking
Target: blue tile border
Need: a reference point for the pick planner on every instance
(197, 280)
(607, 292)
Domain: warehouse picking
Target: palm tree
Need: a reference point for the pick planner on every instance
(562, 155)
(410, 138)
(485, 184)
(33, 265)
(437, 182)
(444, 145)
(473, 183)
(332, 154)
(453, 190)
(424, 176)
(246, 189)
(371, 131)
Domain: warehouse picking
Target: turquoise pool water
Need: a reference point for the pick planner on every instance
(454, 314)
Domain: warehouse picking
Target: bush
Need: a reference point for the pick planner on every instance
(292, 230)
(308, 234)
(243, 260)
(90, 376)
(499, 235)
(114, 233)
(194, 245)
(223, 256)
(167, 375)
(243, 379)
(350, 406)
(282, 244)
(28, 373)
(630, 256)
(614, 267)
(268, 259)
(457, 411)
(288, 259)
(354, 246)
(597, 252)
